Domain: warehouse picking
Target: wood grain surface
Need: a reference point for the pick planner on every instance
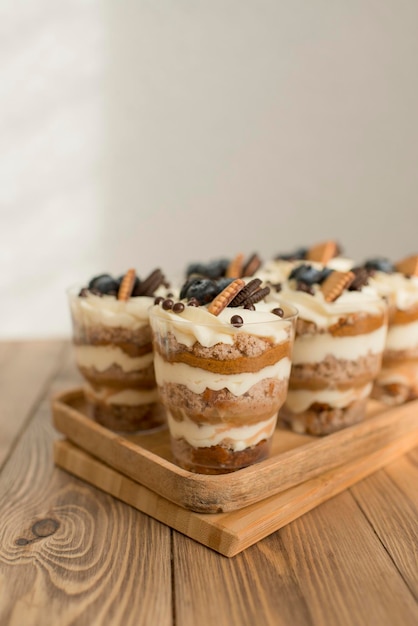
(390, 501)
(70, 554)
(310, 572)
(26, 371)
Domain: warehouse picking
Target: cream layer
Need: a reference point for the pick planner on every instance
(276, 271)
(197, 324)
(314, 348)
(341, 263)
(402, 336)
(314, 308)
(128, 397)
(95, 310)
(300, 400)
(103, 357)
(402, 291)
(197, 379)
(401, 373)
(206, 435)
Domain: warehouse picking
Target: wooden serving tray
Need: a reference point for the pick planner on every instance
(230, 512)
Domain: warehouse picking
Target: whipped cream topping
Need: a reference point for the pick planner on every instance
(401, 290)
(93, 310)
(197, 324)
(341, 263)
(314, 308)
(236, 438)
(278, 270)
(197, 379)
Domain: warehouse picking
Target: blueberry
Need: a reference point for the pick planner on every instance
(185, 287)
(214, 269)
(92, 283)
(380, 264)
(297, 255)
(203, 289)
(306, 274)
(104, 283)
(223, 282)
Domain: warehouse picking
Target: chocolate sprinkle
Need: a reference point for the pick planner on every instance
(237, 321)
(167, 304)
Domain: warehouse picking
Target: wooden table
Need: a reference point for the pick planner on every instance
(70, 554)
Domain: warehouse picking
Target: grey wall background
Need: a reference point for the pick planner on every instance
(150, 133)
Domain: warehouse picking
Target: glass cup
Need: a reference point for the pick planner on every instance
(221, 385)
(397, 381)
(336, 357)
(113, 351)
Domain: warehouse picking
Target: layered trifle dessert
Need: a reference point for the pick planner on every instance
(340, 336)
(113, 349)
(222, 363)
(397, 381)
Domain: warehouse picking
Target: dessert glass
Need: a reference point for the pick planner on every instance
(337, 355)
(222, 385)
(113, 351)
(397, 381)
